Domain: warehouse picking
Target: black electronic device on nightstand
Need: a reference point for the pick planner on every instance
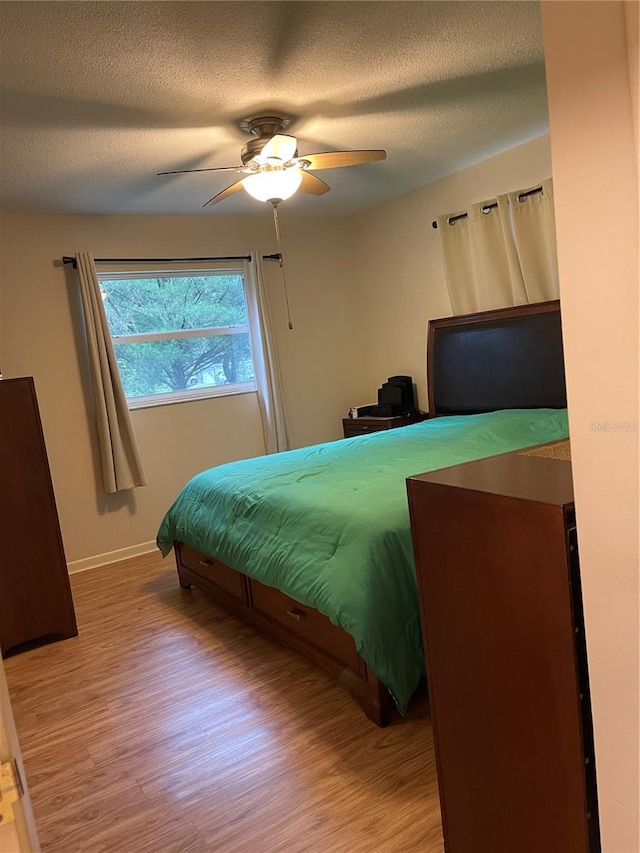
(396, 407)
(396, 396)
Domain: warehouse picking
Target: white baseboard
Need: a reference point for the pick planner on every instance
(110, 557)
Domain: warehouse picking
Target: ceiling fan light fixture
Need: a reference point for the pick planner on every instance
(276, 185)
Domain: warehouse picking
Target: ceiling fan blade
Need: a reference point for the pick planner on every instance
(311, 184)
(280, 147)
(214, 169)
(230, 190)
(337, 159)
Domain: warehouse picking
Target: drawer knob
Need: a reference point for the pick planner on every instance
(206, 563)
(295, 613)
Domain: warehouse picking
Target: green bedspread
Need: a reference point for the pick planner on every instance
(329, 524)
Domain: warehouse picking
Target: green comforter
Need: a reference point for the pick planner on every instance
(329, 524)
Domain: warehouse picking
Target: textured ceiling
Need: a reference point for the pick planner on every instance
(97, 97)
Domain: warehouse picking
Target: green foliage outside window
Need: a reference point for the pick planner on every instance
(150, 305)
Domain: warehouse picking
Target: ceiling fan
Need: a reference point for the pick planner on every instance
(273, 171)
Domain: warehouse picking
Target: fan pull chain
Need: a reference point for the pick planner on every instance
(284, 278)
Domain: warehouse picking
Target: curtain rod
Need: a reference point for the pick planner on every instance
(487, 207)
(67, 259)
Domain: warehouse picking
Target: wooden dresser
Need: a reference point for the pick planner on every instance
(499, 585)
(35, 596)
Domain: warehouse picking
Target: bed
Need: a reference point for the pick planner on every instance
(313, 546)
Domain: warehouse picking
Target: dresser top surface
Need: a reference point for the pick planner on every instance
(514, 475)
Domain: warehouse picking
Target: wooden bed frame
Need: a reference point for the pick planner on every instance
(504, 359)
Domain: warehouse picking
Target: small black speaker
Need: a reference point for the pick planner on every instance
(390, 395)
(398, 393)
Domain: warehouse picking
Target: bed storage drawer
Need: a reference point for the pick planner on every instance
(226, 579)
(306, 623)
(301, 628)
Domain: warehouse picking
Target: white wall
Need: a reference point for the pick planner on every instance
(39, 336)
(596, 199)
(399, 273)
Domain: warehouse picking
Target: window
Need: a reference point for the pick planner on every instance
(179, 334)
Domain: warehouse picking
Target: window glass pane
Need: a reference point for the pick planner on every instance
(209, 361)
(137, 305)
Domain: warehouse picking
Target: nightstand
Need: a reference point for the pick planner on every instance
(363, 425)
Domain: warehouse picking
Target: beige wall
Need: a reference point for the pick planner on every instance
(39, 336)
(399, 271)
(361, 292)
(596, 200)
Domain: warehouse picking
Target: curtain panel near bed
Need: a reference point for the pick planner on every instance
(265, 359)
(534, 232)
(120, 459)
(502, 252)
(481, 266)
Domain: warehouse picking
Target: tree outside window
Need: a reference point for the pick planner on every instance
(179, 335)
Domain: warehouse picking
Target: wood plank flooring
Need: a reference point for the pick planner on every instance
(169, 725)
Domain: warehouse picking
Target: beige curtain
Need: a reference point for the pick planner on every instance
(265, 359)
(534, 233)
(502, 253)
(120, 459)
(477, 261)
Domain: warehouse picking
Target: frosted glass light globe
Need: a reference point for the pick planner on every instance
(276, 185)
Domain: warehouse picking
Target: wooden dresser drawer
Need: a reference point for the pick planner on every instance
(228, 580)
(354, 428)
(306, 623)
(366, 424)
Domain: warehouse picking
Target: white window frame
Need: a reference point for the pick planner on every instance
(169, 397)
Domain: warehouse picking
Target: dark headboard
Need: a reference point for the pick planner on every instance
(510, 358)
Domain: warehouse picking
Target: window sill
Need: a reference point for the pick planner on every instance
(172, 400)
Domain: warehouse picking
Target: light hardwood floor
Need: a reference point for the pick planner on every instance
(170, 725)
